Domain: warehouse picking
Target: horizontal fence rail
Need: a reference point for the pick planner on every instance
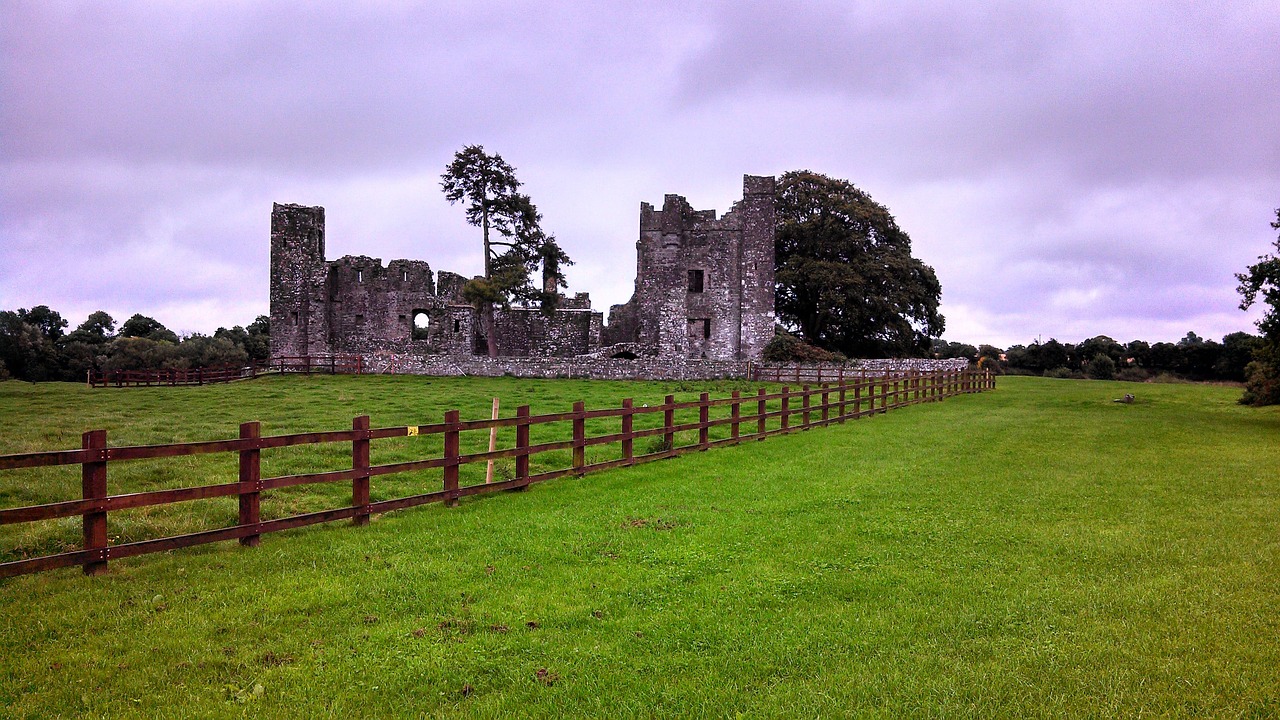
(306, 364)
(749, 417)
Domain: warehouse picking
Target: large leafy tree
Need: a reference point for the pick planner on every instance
(1262, 282)
(846, 279)
(514, 242)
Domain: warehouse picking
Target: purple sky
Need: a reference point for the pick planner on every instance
(1069, 169)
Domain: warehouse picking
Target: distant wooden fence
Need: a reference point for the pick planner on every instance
(797, 410)
(327, 364)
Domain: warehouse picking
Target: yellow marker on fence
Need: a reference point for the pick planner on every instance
(413, 430)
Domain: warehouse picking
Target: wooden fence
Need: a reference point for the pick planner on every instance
(328, 364)
(800, 373)
(795, 410)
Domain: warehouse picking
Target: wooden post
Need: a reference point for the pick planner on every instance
(804, 404)
(522, 443)
(826, 402)
(669, 421)
(579, 437)
(250, 482)
(493, 443)
(857, 400)
(451, 434)
(735, 412)
(884, 393)
(786, 408)
(704, 416)
(360, 463)
(843, 405)
(761, 408)
(628, 427)
(93, 481)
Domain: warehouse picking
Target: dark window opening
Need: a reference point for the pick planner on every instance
(706, 329)
(699, 328)
(457, 326)
(624, 355)
(359, 319)
(695, 281)
(293, 316)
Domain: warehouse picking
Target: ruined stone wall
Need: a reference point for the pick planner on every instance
(414, 361)
(356, 305)
(298, 321)
(704, 286)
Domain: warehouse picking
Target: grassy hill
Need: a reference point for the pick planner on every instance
(1036, 550)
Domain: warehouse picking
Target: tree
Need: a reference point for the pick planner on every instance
(95, 330)
(141, 326)
(1262, 384)
(845, 276)
(488, 186)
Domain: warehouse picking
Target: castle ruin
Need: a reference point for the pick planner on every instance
(703, 290)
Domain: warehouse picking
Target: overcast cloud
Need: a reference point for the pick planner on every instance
(1069, 169)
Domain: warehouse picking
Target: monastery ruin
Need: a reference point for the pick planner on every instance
(703, 290)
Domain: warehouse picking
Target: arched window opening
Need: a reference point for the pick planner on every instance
(421, 324)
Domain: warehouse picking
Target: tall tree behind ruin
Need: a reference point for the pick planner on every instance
(488, 186)
(845, 275)
(1262, 383)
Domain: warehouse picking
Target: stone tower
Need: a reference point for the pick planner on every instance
(704, 286)
(299, 323)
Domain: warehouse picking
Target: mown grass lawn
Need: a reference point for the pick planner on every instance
(1037, 550)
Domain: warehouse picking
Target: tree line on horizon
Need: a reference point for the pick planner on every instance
(1102, 358)
(35, 345)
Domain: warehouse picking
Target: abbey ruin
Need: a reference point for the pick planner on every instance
(703, 290)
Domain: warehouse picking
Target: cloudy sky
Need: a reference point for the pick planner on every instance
(1069, 169)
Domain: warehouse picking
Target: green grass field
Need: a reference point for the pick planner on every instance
(1033, 551)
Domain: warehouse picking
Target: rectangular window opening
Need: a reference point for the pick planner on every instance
(695, 281)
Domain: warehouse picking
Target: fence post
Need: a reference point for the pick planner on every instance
(826, 402)
(579, 437)
(786, 409)
(360, 463)
(628, 427)
(735, 412)
(93, 481)
(250, 482)
(857, 398)
(843, 406)
(668, 422)
(451, 433)
(884, 393)
(704, 416)
(522, 443)
(761, 408)
(804, 404)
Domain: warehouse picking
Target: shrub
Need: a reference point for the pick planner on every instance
(1059, 372)
(1101, 367)
(785, 347)
(1262, 384)
(1133, 374)
(1170, 378)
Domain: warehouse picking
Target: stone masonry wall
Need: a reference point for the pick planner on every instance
(641, 368)
(356, 305)
(704, 286)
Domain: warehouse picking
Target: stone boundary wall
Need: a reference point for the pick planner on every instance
(641, 368)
